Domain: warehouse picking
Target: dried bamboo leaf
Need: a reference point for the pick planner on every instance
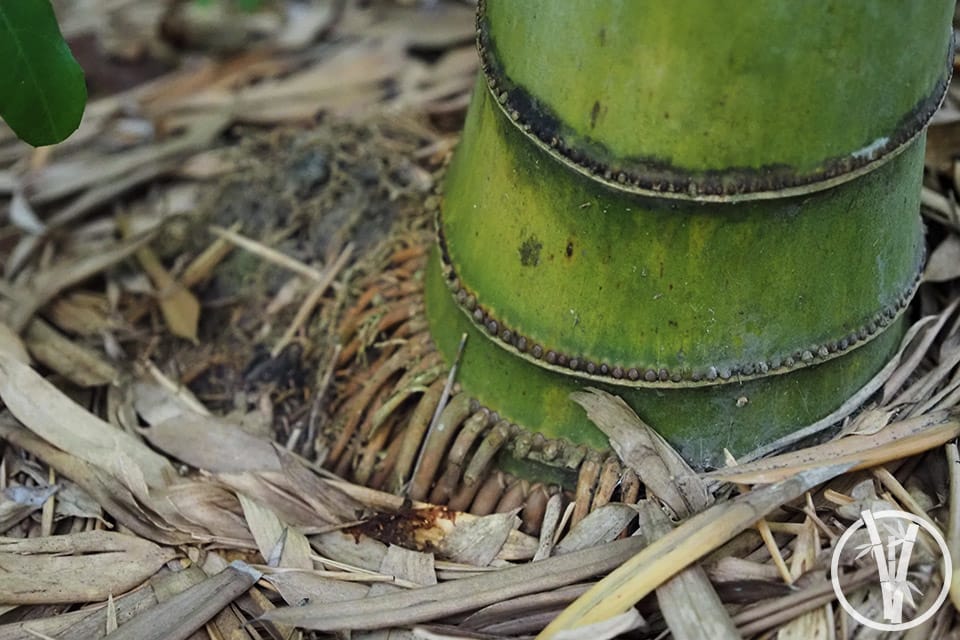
(477, 542)
(271, 534)
(817, 623)
(11, 344)
(212, 444)
(911, 358)
(603, 630)
(85, 624)
(74, 502)
(732, 568)
(303, 587)
(771, 613)
(642, 449)
(363, 551)
(78, 567)
(109, 492)
(80, 365)
(429, 603)
(523, 606)
(19, 501)
(205, 510)
(157, 398)
(414, 567)
(691, 540)
(47, 284)
(600, 526)
(181, 615)
(895, 441)
(548, 528)
(688, 601)
(49, 413)
(944, 262)
(305, 505)
(81, 313)
(65, 177)
(180, 308)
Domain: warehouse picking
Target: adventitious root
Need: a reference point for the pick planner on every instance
(383, 433)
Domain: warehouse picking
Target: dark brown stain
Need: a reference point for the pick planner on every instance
(411, 528)
(529, 251)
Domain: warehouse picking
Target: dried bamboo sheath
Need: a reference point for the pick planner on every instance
(709, 210)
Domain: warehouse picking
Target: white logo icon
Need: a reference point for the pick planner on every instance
(891, 533)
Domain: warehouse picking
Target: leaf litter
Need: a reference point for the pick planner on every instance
(239, 217)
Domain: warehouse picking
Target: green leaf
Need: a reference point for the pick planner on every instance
(42, 89)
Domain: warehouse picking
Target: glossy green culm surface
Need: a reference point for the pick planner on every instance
(633, 281)
(726, 85)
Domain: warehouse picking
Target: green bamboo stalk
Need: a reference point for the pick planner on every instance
(709, 208)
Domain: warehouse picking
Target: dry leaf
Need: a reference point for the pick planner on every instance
(456, 596)
(86, 623)
(47, 284)
(189, 610)
(49, 413)
(360, 551)
(478, 541)
(11, 344)
(303, 587)
(180, 308)
(944, 262)
(659, 467)
(19, 501)
(413, 567)
(107, 490)
(693, 539)
(609, 628)
(80, 365)
(78, 567)
(206, 510)
(74, 502)
(601, 525)
(82, 313)
(688, 602)
(895, 441)
(272, 535)
(212, 444)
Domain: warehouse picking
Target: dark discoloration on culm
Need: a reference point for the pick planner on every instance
(530, 251)
(594, 114)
